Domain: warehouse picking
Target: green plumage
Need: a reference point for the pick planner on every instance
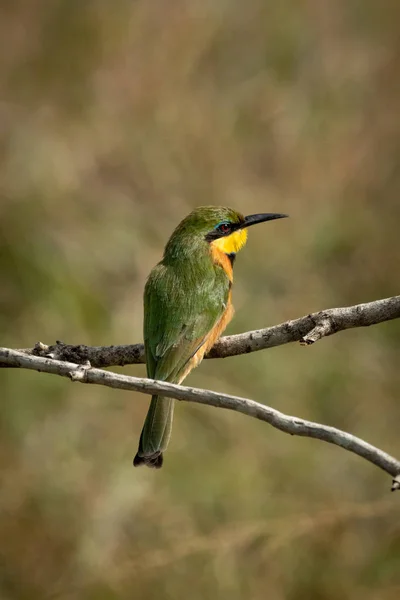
(184, 298)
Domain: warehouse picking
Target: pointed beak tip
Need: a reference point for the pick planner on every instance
(261, 218)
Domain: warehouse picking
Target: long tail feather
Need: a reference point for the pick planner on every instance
(156, 433)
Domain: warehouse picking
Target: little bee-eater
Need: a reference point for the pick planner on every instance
(187, 305)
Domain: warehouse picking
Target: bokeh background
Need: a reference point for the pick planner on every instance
(116, 119)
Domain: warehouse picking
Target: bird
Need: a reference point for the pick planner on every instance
(187, 306)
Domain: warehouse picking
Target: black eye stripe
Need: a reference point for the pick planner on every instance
(222, 229)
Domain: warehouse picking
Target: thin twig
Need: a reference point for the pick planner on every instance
(285, 423)
(306, 330)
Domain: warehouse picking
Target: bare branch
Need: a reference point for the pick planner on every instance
(76, 362)
(310, 328)
(285, 423)
(307, 330)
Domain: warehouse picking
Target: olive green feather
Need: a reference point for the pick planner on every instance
(185, 297)
(176, 325)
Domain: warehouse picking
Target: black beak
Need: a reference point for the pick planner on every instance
(254, 219)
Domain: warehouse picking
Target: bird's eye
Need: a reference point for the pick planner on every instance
(223, 228)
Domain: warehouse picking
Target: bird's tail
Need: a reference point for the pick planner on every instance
(155, 433)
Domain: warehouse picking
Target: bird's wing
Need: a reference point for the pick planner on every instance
(176, 321)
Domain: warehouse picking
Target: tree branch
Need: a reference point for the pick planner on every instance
(306, 330)
(285, 423)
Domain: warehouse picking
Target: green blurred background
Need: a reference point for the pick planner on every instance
(116, 119)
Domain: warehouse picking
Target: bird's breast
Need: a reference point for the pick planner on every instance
(220, 258)
(211, 338)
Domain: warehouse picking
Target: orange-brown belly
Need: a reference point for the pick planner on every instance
(219, 258)
(211, 338)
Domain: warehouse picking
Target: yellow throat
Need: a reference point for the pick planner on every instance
(231, 244)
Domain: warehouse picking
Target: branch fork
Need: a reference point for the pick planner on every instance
(323, 328)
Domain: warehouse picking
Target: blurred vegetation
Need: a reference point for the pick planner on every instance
(116, 119)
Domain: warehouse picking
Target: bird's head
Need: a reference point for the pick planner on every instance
(223, 228)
